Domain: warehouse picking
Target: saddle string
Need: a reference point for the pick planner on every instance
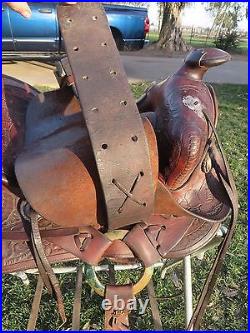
(216, 267)
(208, 287)
(43, 265)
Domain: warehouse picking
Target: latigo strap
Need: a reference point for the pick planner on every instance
(112, 118)
(117, 319)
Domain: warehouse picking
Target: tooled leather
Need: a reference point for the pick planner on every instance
(183, 132)
(15, 99)
(164, 234)
(16, 255)
(178, 119)
(197, 236)
(182, 165)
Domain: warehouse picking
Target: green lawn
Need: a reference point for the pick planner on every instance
(228, 306)
(200, 41)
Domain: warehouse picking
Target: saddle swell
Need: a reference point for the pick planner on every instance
(188, 169)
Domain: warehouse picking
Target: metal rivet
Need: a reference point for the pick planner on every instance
(85, 77)
(94, 109)
(94, 18)
(123, 103)
(134, 138)
(104, 146)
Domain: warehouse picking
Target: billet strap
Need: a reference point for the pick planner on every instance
(116, 319)
(110, 112)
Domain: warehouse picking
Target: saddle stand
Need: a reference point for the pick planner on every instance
(89, 174)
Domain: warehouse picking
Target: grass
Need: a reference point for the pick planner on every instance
(228, 306)
(200, 41)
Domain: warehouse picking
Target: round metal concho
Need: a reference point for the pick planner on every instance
(94, 282)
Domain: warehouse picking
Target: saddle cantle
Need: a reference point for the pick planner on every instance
(51, 162)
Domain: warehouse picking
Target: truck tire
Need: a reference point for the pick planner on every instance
(139, 45)
(118, 39)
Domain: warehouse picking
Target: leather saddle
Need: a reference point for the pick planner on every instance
(49, 166)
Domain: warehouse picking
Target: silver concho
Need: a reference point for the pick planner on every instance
(193, 103)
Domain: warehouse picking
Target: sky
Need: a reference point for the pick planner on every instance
(195, 16)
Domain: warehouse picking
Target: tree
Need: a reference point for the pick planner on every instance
(227, 15)
(170, 36)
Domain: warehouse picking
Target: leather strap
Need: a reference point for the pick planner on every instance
(77, 300)
(208, 287)
(110, 112)
(49, 278)
(35, 305)
(154, 306)
(116, 319)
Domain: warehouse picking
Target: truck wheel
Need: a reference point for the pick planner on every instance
(118, 40)
(139, 45)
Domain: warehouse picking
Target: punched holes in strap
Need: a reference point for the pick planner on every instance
(110, 112)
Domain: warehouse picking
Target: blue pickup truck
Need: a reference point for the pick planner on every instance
(39, 37)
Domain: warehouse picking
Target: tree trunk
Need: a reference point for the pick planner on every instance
(171, 32)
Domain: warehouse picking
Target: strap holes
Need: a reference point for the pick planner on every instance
(141, 173)
(163, 227)
(113, 181)
(144, 204)
(112, 72)
(75, 48)
(69, 20)
(104, 44)
(123, 103)
(105, 146)
(85, 77)
(94, 18)
(94, 109)
(134, 138)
